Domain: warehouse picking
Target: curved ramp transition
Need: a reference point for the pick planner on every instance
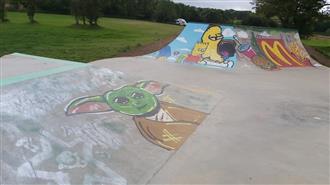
(221, 46)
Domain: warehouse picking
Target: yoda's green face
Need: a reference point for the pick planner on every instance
(132, 101)
(135, 100)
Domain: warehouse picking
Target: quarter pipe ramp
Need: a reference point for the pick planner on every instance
(226, 47)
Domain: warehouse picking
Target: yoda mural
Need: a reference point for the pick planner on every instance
(164, 124)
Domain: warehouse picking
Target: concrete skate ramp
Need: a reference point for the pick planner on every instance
(93, 125)
(19, 67)
(226, 47)
(139, 121)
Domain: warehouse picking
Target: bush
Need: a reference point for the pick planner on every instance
(327, 32)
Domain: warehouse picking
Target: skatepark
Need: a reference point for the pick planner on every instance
(218, 105)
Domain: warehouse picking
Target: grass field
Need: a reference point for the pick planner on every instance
(320, 44)
(55, 36)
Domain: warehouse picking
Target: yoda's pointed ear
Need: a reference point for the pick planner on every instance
(91, 104)
(153, 87)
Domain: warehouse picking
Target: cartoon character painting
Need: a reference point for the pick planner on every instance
(213, 50)
(197, 52)
(164, 124)
(227, 49)
(212, 37)
(199, 49)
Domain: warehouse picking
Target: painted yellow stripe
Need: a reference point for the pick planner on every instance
(276, 50)
(165, 146)
(278, 44)
(170, 137)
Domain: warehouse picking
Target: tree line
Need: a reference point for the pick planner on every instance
(299, 14)
(304, 15)
(164, 11)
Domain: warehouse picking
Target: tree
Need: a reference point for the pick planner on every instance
(77, 10)
(54, 6)
(92, 11)
(146, 8)
(89, 10)
(3, 11)
(213, 16)
(299, 14)
(165, 11)
(30, 6)
(257, 20)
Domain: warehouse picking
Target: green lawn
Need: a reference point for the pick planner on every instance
(320, 44)
(55, 36)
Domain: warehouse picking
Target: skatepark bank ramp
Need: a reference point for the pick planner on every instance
(226, 47)
(47, 132)
(140, 121)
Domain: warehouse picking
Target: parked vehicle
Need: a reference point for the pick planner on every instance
(181, 22)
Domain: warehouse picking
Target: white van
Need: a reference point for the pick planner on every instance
(181, 22)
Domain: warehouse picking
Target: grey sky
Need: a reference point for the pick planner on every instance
(221, 4)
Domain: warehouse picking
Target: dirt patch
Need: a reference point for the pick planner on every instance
(317, 56)
(149, 48)
(321, 36)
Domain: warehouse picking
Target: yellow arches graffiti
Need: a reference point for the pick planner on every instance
(275, 51)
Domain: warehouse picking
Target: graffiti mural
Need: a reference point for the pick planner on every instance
(276, 51)
(247, 47)
(200, 44)
(164, 124)
(164, 53)
(270, 51)
(252, 53)
(214, 49)
(135, 124)
(219, 46)
(296, 49)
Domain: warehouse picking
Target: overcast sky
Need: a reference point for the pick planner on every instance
(221, 4)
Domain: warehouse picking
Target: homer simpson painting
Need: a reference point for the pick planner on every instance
(212, 37)
(203, 44)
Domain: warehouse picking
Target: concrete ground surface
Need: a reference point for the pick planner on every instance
(262, 127)
(18, 67)
(269, 127)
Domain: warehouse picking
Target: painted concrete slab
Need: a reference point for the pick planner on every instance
(18, 67)
(268, 128)
(154, 120)
(260, 127)
(52, 146)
